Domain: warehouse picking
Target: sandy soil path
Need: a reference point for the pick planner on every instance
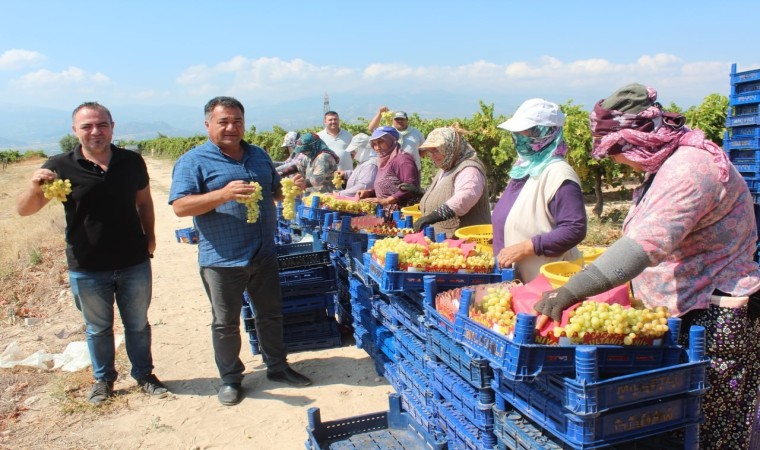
(272, 415)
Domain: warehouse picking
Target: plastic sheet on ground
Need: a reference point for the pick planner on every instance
(75, 357)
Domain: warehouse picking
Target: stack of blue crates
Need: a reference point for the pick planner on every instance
(742, 140)
(307, 278)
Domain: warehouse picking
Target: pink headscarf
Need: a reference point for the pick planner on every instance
(649, 137)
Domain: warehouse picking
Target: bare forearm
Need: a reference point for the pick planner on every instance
(30, 201)
(198, 204)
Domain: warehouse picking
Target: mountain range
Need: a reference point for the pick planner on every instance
(30, 127)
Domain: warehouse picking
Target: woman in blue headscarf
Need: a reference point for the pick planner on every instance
(541, 216)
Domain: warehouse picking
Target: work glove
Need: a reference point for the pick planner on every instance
(412, 189)
(424, 221)
(552, 303)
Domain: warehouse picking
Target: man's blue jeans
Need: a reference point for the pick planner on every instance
(94, 295)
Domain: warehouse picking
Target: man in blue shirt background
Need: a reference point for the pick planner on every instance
(235, 256)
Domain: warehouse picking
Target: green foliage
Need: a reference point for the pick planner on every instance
(169, 147)
(493, 145)
(68, 143)
(710, 117)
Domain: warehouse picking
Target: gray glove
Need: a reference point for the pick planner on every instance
(552, 303)
(410, 188)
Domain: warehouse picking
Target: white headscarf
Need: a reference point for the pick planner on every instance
(360, 144)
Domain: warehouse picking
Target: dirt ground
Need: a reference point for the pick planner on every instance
(50, 408)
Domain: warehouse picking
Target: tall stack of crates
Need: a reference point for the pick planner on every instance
(742, 139)
(307, 278)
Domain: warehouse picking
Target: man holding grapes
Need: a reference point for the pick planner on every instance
(109, 242)
(209, 182)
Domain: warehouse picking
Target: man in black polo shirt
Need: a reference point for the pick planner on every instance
(109, 241)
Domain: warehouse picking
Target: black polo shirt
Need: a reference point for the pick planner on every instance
(103, 229)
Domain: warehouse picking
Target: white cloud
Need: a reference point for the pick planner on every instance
(71, 77)
(18, 59)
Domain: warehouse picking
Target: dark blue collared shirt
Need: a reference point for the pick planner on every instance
(225, 238)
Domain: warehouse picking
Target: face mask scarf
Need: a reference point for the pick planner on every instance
(544, 146)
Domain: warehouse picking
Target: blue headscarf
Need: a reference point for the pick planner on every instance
(544, 146)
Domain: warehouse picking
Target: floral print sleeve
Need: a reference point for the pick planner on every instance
(698, 233)
(319, 173)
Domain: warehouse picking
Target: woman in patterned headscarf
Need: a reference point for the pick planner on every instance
(458, 194)
(394, 167)
(318, 163)
(541, 216)
(688, 243)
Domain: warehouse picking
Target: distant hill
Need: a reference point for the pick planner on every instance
(37, 127)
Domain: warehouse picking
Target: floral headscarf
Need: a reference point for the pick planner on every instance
(450, 143)
(649, 137)
(544, 145)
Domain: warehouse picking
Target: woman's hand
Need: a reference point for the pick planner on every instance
(365, 194)
(299, 181)
(514, 253)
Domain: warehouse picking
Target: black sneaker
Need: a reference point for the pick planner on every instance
(152, 386)
(101, 391)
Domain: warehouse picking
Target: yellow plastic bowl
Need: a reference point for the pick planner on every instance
(559, 272)
(480, 234)
(413, 211)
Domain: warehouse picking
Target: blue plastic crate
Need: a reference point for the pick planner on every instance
(345, 239)
(425, 417)
(744, 156)
(744, 77)
(416, 384)
(462, 396)
(381, 311)
(745, 88)
(610, 428)
(320, 278)
(305, 337)
(473, 369)
(590, 398)
(514, 432)
(742, 143)
(361, 315)
(359, 290)
(392, 280)
(392, 429)
(744, 110)
(410, 348)
(186, 235)
(521, 359)
(741, 121)
(309, 308)
(460, 433)
(744, 99)
(391, 374)
(343, 313)
(745, 131)
(409, 314)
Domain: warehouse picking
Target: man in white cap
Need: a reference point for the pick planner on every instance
(411, 138)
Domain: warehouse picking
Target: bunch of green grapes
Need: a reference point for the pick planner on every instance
(495, 310)
(252, 202)
(387, 118)
(443, 257)
(337, 180)
(349, 206)
(290, 191)
(597, 317)
(57, 189)
(409, 254)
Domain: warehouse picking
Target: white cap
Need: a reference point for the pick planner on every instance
(535, 111)
(360, 144)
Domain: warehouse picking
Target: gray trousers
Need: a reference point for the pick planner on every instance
(224, 287)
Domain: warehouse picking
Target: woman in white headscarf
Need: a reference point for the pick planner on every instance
(363, 176)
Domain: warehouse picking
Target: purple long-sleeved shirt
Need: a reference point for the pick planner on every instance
(566, 207)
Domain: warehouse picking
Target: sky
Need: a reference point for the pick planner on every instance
(165, 59)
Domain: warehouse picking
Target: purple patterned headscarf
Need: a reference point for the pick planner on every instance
(649, 137)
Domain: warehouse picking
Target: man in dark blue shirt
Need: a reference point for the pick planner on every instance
(235, 256)
(109, 240)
